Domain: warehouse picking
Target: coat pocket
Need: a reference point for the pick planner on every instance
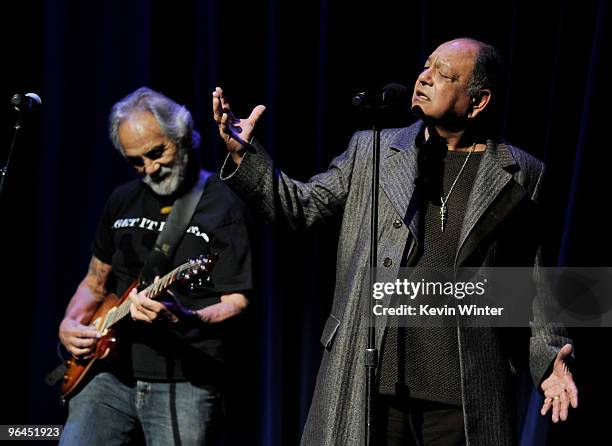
(329, 331)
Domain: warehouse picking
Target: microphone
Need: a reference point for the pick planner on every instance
(26, 102)
(389, 94)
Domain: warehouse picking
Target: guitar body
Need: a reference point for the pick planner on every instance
(113, 309)
(79, 368)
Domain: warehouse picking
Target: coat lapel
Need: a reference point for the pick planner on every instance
(486, 208)
(398, 173)
(494, 193)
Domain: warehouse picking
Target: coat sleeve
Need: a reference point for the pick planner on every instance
(547, 337)
(276, 196)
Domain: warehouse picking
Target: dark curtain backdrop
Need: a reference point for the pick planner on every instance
(303, 60)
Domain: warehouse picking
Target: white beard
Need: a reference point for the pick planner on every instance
(167, 180)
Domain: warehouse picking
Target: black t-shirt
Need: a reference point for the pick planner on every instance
(130, 223)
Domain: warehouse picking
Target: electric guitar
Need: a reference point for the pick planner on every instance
(113, 309)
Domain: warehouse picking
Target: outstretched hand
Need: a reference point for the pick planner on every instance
(559, 388)
(235, 132)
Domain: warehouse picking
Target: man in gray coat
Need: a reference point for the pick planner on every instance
(450, 196)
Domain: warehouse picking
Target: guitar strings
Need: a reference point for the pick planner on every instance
(123, 309)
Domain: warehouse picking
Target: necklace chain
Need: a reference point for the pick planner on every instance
(443, 208)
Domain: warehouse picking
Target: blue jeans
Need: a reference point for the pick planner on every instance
(108, 412)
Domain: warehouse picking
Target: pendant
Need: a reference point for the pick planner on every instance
(443, 216)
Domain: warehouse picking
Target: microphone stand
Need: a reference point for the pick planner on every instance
(371, 358)
(4, 169)
(390, 93)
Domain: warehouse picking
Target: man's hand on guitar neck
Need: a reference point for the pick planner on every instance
(148, 310)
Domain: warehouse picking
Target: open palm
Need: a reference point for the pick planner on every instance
(234, 131)
(559, 388)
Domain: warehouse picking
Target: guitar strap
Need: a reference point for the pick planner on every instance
(160, 257)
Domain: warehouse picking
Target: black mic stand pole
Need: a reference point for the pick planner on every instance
(4, 169)
(371, 350)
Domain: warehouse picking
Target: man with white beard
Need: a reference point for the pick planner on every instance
(165, 386)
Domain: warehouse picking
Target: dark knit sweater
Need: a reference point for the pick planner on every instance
(423, 362)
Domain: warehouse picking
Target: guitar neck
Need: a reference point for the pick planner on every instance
(152, 291)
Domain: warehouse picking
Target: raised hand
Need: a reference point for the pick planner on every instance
(235, 132)
(559, 388)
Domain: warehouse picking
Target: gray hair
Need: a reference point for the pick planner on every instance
(174, 119)
(487, 71)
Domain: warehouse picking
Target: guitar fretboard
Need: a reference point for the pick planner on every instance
(152, 291)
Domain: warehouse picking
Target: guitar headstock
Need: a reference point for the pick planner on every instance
(196, 272)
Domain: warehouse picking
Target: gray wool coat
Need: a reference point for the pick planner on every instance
(495, 232)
